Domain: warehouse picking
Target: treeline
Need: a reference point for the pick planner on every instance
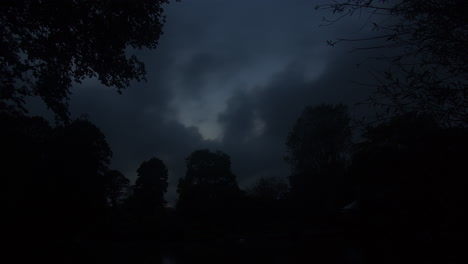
(402, 183)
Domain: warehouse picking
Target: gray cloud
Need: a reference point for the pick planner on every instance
(228, 75)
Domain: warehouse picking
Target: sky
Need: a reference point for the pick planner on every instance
(231, 76)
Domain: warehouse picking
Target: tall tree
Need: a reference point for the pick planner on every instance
(46, 46)
(150, 186)
(269, 189)
(116, 185)
(80, 158)
(317, 152)
(54, 179)
(54, 175)
(25, 150)
(410, 186)
(209, 182)
(428, 73)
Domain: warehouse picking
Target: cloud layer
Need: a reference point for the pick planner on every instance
(228, 75)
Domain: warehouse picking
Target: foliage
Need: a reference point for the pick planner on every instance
(117, 185)
(150, 186)
(61, 166)
(409, 170)
(209, 182)
(79, 160)
(54, 176)
(269, 189)
(318, 148)
(428, 72)
(46, 46)
(24, 141)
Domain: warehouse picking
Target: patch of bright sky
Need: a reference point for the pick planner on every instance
(202, 111)
(265, 37)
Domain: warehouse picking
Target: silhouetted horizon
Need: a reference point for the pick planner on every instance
(158, 131)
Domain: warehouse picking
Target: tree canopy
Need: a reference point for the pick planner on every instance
(151, 185)
(269, 189)
(408, 173)
(208, 182)
(79, 159)
(54, 176)
(427, 72)
(46, 46)
(318, 148)
(24, 142)
(116, 185)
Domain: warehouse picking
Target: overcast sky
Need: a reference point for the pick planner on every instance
(227, 75)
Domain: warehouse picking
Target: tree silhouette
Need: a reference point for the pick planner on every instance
(317, 152)
(49, 45)
(116, 185)
(55, 186)
(427, 73)
(269, 189)
(411, 190)
(209, 182)
(79, 158)
(208, 195)
(150, 186)
(62, 166)
(265, 204)
(25, 142)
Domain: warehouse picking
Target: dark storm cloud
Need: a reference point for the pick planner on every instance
(276, 106)
(238, 120)
(137, 132)
(202, 68)
(227, 75)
